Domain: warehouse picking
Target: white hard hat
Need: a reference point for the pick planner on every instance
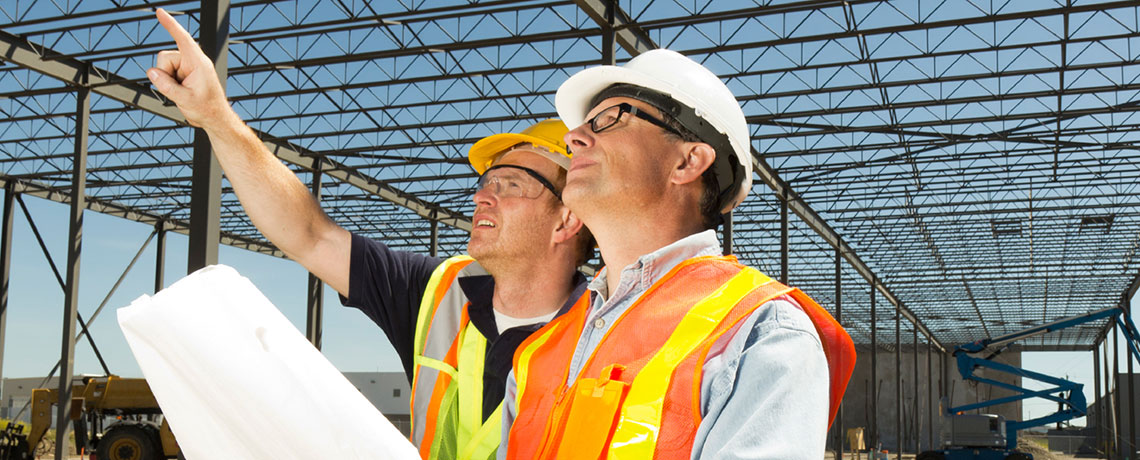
(693, 95)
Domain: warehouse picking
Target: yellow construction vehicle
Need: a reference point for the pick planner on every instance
(114, 418)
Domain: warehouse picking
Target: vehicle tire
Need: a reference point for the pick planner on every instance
(1019, 456)
(127, 442)
(931, 455)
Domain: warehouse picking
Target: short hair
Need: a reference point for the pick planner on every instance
(710, 187)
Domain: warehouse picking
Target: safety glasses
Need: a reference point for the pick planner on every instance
(511, 181)
(612, 115)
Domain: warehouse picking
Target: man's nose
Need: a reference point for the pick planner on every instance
(485, 196)
(579, 138)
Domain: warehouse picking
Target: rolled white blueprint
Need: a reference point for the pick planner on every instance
(236, 380)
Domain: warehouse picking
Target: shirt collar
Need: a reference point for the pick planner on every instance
(480, 292)
(651, 267)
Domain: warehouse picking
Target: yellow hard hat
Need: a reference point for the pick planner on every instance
(546, 134)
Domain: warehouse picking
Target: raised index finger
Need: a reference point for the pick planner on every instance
(182, 38)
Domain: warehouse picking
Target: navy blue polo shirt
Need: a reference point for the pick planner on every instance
(388, 286)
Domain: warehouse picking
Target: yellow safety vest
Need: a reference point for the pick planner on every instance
(447, 383)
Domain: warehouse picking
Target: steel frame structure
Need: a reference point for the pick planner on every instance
(973, 164)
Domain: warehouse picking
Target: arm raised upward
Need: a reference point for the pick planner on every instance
(279, 205)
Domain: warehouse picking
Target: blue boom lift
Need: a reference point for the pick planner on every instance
(990, 437)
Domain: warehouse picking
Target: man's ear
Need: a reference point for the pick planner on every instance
(568, 226)
(697, 157)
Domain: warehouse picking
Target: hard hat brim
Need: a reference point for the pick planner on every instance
(483, 154)
(572, 100)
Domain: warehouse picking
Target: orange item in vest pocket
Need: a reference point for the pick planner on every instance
(595, 405)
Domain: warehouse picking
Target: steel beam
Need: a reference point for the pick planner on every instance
(49, 62)
(5, 268)
(881, 31)
(74, 247)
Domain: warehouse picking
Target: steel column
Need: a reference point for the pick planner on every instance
(1099, 419)
(434, 249)
(914, 415)
(314, 320)
(726, 233)
(898, 385)
(874, 374)
(74, 247)
(1118, 443)
(784, 237)
(609, 33)
(929, 396)
(160, 256)
(1109, 395)
(5, 267)
(838, 318)
(206, 186)
(627, 34)
(1131, 445)
(944, 382)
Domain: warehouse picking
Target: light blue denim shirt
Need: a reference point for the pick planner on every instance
(763, 396)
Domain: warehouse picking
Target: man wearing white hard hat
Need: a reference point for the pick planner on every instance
(455, 323)
(682, 353)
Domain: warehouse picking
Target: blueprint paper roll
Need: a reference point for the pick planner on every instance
(236, 380)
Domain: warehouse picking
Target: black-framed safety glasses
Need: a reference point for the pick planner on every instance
(505, 181)
(610, 116)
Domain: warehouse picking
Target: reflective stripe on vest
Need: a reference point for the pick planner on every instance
(676, 324)
(447, 383)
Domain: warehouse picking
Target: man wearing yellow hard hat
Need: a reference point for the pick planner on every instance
(456, 322)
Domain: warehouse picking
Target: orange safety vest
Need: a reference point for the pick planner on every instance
(642, 397)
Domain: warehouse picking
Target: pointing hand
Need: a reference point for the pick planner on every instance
(188, 78)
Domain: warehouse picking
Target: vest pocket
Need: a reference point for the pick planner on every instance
(594, 407)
